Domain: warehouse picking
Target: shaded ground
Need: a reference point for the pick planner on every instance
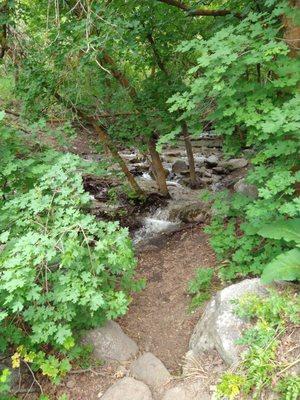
(158, 318)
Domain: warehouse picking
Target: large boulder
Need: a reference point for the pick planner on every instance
(110, 343)
(234, 163)
(219, 328)
(150, 370)
(246, 189)
(128, 389)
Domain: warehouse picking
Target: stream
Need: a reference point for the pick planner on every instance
(159, 216)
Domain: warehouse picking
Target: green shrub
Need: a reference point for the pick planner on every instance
(246, 84)
(61, 269)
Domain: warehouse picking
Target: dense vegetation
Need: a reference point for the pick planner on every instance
(137, 74)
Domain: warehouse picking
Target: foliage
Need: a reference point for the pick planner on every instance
(230, 385)
(199, 286)
(245, 83)
(289, 388)
(4, 380)
(261, 368)
(286, 266)
(61, 269)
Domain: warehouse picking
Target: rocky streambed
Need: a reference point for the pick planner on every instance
(157, 215)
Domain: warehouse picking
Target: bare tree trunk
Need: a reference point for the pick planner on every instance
(107, 142)
(292, 30)
(160, 174)
(190, 155)
(3, 29)
(292, 38)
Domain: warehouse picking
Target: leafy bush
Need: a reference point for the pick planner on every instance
(61, 269)
(246, 84)
(286, 266)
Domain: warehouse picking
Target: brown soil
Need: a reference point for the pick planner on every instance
(158, 318)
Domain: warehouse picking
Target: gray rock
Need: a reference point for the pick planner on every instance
(202, 170)
(14, 378)
(187, 391)
(128, 389)
(219, 326)
(180, 167)
(205, 181)
(234, 163)
(189, 212)
(246, 189)
(219, 170)
(212, 161)
(111, 343)
(150, 370)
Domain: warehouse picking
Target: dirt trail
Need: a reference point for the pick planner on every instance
(158, 318)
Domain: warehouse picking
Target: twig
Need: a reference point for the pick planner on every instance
(34, 378)
(289, 366)
(83, 371)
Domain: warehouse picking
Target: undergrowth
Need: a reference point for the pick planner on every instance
(262, 369)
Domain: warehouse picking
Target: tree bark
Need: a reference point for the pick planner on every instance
(159, 170)
(190, 155)
(184, 131)
(199, 11)
(292, 38)
(118, 75)
(292, 31)
(3, 29)
(160, 176)
(107, 142)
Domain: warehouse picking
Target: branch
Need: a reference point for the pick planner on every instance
(156, 54)
(199, 11)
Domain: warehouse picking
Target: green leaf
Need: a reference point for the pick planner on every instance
(288, 230)
(284, 267)
(2, 115)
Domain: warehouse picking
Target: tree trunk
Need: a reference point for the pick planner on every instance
(107, 142)
(159, 170)
(190, 155)
(292, 38)
(292, 30)
(3, 28)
